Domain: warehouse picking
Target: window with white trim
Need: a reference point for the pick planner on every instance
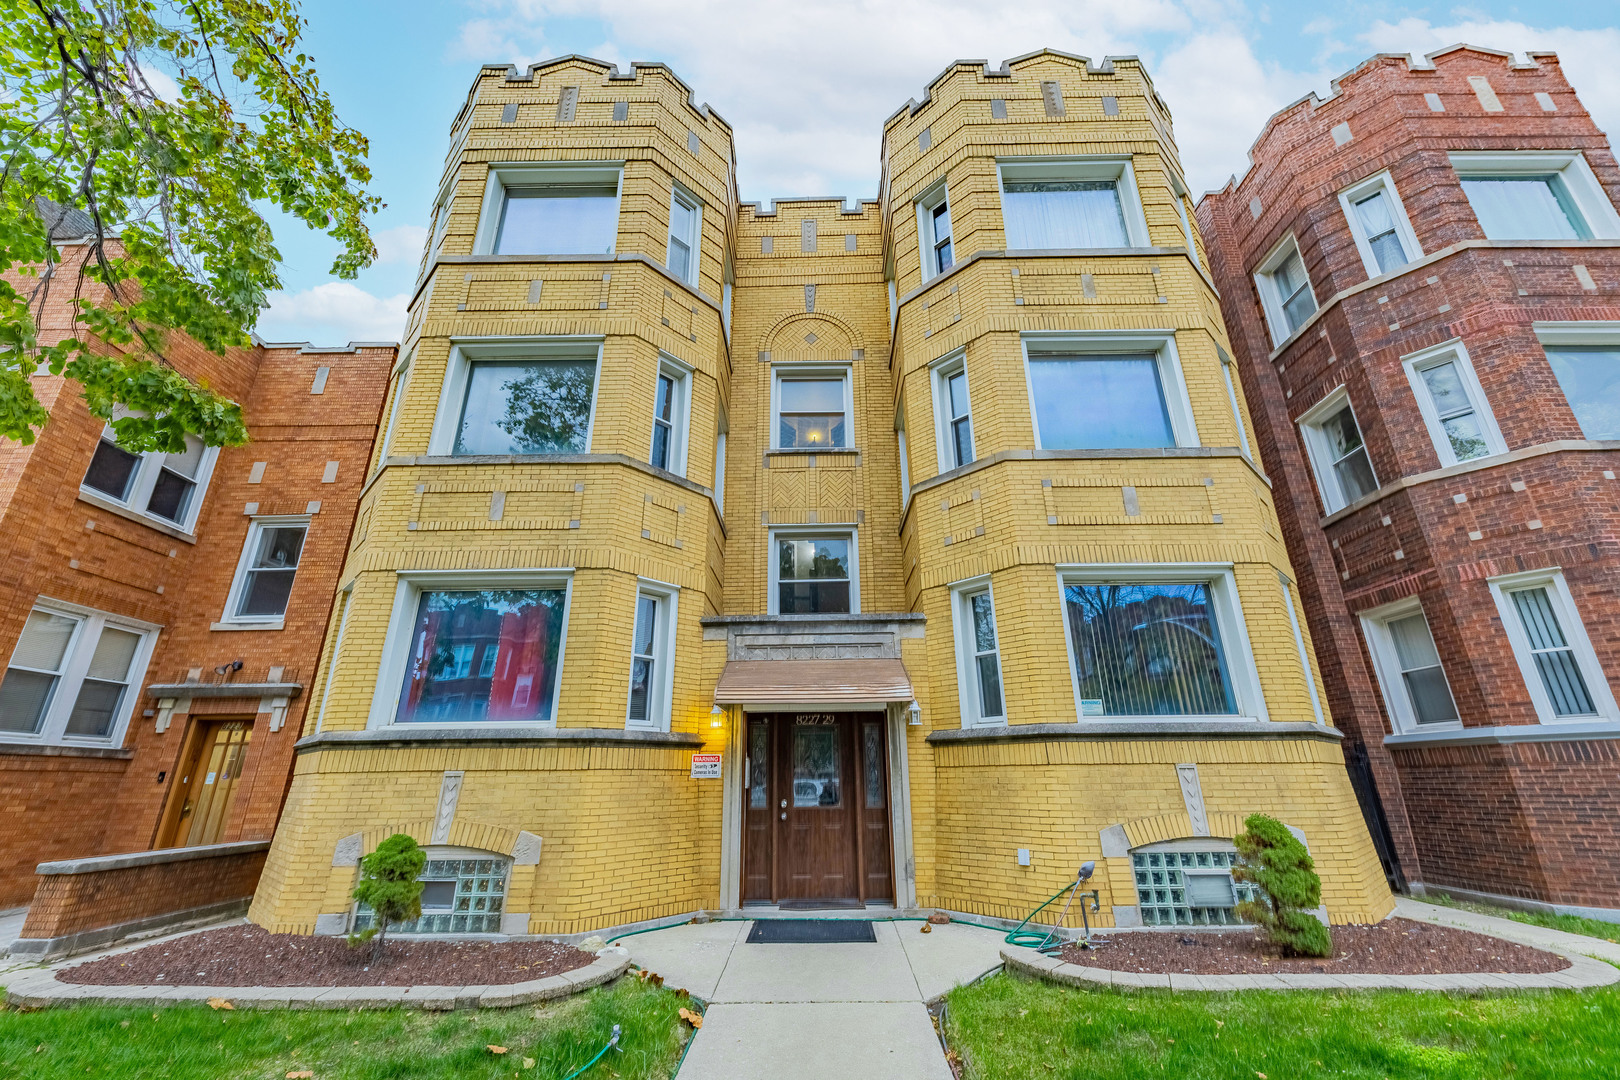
(814, 572)
(1408, 666)
(1549, 642)
(1536, 195)
(1181, 196)
(1453, 404)
(903, 451)
(1378, 223)
(1075, 203)
(1189, 883)
(1585, 358)
(1285, 290)
(1230, 378)
(810, 407)
(671, 410)
(685, 230)
(264, 575)
(1338, 456)
(74, 676)
(168, 488)
(535, 396)
(978, 654)
(561, 209)
(934, 232)
(401, 380)
(1108, 391)
(953, 417)
(652, 651)
(720, 473)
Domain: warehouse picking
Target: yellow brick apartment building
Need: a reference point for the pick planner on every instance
(723, 558)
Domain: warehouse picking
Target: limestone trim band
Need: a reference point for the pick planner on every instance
(98, 863)
(224, 690)
(1144, 729)
(394, 737)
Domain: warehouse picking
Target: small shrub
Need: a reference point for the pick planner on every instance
(389, 886)
(1277, 863)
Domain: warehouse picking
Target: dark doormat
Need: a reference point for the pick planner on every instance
(810, 931)
(821, 905)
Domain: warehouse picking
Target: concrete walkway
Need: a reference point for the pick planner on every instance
(785, 1012)
(1524, 933)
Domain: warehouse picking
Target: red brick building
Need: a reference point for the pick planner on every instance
(161, 615)
(1421, 277)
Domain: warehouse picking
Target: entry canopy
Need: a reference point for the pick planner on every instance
(812, 682)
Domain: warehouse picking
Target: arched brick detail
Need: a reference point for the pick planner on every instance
(835, 339)
(480, 835)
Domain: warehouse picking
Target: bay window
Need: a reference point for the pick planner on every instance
(1285, 291)
(534, 396)
(1555, 657)
(1452, 403)
(1536, 195)
(1338, 457)
(1108, 391)
(1408, 666)
(1378, 223)
(563, 209)
(1073, 203)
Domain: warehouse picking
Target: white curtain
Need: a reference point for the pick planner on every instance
(1063, 214)
(1519, 208)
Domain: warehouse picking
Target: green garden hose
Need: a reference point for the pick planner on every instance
(1032, 939)
(611, 1043)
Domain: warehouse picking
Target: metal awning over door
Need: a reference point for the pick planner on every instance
(813, 682)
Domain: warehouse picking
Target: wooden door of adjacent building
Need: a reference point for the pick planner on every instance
(816, 809)
(204, 791)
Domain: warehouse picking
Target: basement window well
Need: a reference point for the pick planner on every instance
(461, 894)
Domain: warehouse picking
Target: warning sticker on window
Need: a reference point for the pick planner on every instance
(1091, 707)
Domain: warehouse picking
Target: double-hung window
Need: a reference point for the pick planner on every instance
(519, 397)
(74, 676)
(978, 660)
(954, 417)
(1344, 472)
(813, 573)
(167, 488)
(1585, 357)
(810, 408)
(1549, 642)
(651, 655)
(671, 409)
(1108, 391)
(1158, 642)
(1383, 235)
(565, 209)
(264, 575)
(1073, 203)
(685, 229)
(1453, 404)
(934, 232)
(1408, 666)
(1536, 195)
(1285, 290)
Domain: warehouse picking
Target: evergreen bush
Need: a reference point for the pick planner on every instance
(1279, 866)
(389, 886)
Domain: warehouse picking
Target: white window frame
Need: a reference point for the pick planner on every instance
(1181, 194)
(1230, 378)
(1578, 332)
(680, 373)
(1114, 167)
(662, 692)
(967, 681)
(503, 175)
(443, 205)
(1161, 343)
(813, 532)
(1569, 620)
(1247, 691)
(1321, 456)
(694, 242)
(1271, 298)
(799, 369)
(458, 369)
(408, 590)
(141, 483)
(1397, 211)
(1387, 666)
(940, 375)
(720, 472)
(1455, 353)
(75, 666)
(925, 206)
(401, 382)
(256, 527)
(1600, 217)
(903, 450)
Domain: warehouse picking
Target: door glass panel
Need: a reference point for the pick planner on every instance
(817, 770)
(758, 767)
(872, 761)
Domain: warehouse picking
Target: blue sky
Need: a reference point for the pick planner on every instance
(807, 86)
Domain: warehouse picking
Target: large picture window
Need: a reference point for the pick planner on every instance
(1589, 376)
(1147, 649)
(534, 396)
(73, 676)
(550, 210)
(484, 655)
(1108, 392)
(813, 575)
(1536, 195)
(1079, 203)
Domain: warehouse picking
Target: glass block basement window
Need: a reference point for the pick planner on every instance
(459, 896)
(1189, 888)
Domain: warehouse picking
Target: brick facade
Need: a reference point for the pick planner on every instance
(1507, 801)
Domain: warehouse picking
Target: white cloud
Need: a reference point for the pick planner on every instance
(335, 313)
(402, 243)
(161, 82)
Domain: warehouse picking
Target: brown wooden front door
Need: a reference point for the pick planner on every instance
(816, 808)
(206, 787)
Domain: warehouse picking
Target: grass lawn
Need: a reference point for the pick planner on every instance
(1570, 924)
(197, 1043)
(1011, 1027)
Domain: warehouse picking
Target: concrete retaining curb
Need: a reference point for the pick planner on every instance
(40, 989)
(1583, 974)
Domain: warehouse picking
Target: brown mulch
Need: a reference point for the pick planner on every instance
(252, 956)
(1392, 947)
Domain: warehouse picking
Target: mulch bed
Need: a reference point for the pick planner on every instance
(252, 956)
(1392, 947)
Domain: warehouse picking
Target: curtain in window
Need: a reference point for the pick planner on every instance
(104, 684)
(1589, 375)
(1421, 671)
(1378, 226)
(1099, 402)
(1147, 650)
(527, 407)
(1555, 660)
(36, 665)
(1063, 214)
(1523, 208)
(450, 678)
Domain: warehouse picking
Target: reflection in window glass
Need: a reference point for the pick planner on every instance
(1589, 375)
(959, 419)
(455, 631)
(271, 571)
(986, 661)
(1347, 455)
(1294, 292)
(642, 660)
(812, 576)
(1063, 214)
(1455, 410)
(1147, 650)
(1525, 208)
(1424, 679)
(1100, 402)
(1378, 226)
(527, 407)
(558, 219)
(811, 413)
(817, 766)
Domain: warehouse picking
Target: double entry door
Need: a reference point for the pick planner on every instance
(816, 809)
